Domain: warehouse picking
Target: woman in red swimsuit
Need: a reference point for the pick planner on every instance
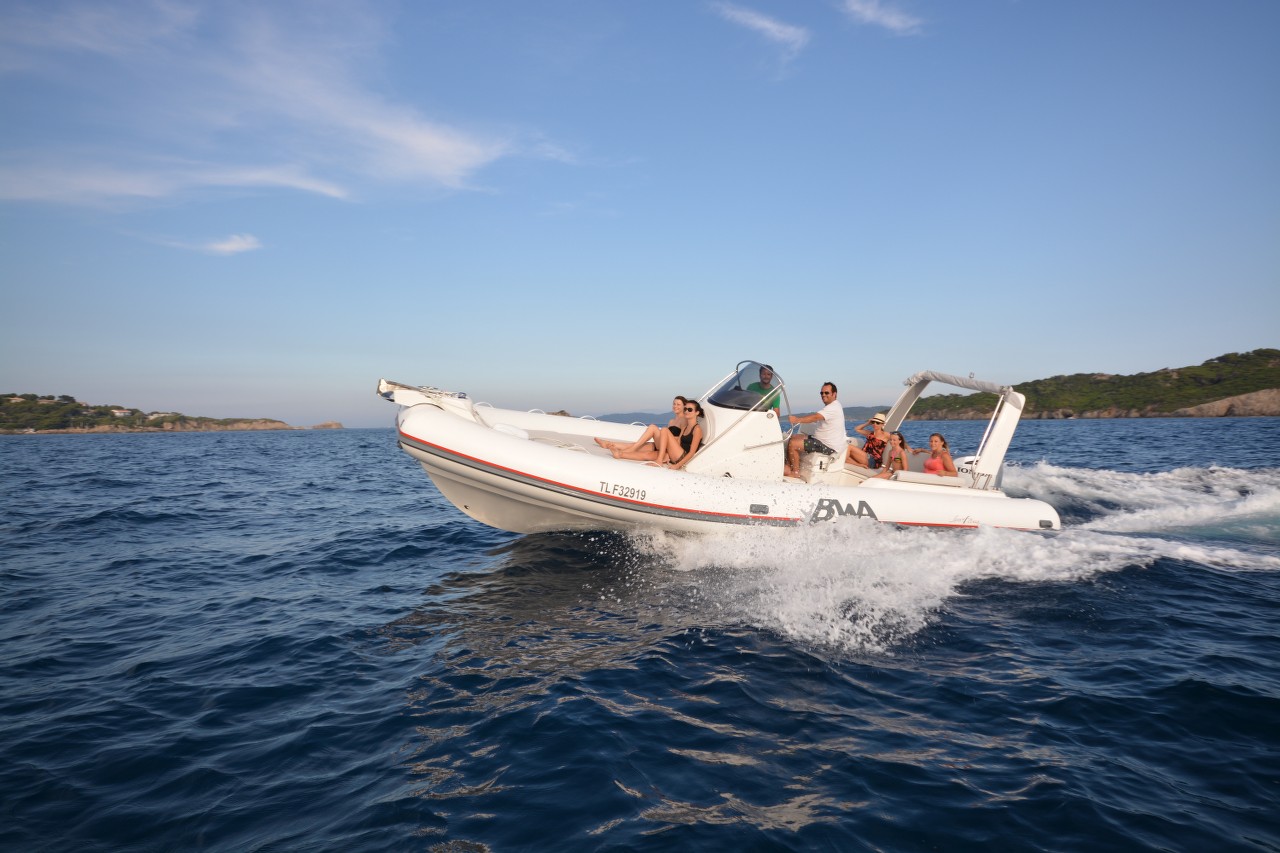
(939, 461)
(872, 451)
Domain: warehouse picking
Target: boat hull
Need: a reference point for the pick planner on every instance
(514, 483)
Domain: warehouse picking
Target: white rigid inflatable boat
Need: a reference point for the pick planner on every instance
(530, 472)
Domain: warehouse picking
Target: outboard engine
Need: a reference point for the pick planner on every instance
(964, 467)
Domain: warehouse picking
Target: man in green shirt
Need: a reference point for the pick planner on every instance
(765, 388)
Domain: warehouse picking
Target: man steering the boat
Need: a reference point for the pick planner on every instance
(766, 389)
(829, 437)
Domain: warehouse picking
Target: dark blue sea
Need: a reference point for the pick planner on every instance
(286, 641)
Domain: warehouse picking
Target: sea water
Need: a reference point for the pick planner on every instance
(290, 641)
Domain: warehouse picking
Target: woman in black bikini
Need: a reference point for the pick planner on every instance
(651, 432)
(675, 451)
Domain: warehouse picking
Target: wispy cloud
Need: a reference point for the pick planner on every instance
(34, 31)
(233, 245)
(314, 84)
(790, 38)
(81, 178)
(220, 95)
(876, 13)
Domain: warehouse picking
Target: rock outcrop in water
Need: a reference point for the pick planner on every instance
(1257, 404)
(237, 425)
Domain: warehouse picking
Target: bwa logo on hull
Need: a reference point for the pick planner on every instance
(828, 508)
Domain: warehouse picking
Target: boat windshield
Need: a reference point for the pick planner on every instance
(752, 386)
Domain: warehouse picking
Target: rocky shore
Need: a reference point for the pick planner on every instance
(1264, 404)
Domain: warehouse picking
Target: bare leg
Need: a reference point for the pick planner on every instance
(674, 452)
(647, 454)
(856, 456)
(663, 441)
(794, 446)
(650, 433)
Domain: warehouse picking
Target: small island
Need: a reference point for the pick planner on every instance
(33, 413)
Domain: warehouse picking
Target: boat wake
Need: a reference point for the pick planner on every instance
(857, 586)
(1209, 503)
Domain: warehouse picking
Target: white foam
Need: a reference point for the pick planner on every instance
(858, 585)
(1243, 504)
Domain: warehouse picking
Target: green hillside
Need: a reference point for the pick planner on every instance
(1161, 392)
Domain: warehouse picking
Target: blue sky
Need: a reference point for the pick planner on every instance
(257, 209)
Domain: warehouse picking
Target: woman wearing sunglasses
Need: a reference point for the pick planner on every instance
(671, 446)
(675, 451)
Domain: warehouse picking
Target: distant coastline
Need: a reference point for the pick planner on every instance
(1258, 404)
(1231, 385)
(239, 425)
(28, 414)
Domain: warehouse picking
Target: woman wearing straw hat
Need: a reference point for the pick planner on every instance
(872, 451)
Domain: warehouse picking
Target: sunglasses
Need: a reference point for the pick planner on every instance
(688, 408)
